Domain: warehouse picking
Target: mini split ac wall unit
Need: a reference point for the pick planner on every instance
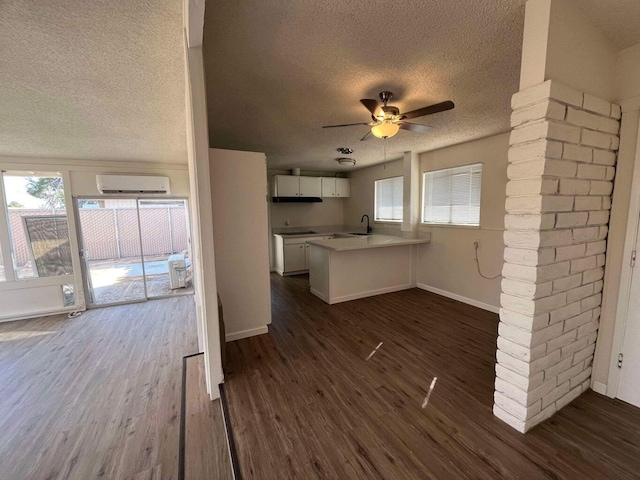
(132, 184)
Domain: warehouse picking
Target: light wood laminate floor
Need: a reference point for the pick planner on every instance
(97, 396)
(304, 403)
(206, 449)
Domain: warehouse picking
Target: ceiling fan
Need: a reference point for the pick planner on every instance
(386, 120)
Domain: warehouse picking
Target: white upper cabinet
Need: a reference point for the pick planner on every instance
(336, 187)
(343, 187)
(299, 186)
(328, 187)
(286, 186)
(310, 187)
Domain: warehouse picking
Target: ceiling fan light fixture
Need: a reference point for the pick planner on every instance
(385, 129)
(347, 162)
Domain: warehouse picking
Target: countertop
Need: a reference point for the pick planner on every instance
(295, 235)
(371, 241)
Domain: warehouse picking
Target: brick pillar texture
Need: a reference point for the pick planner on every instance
(562, 160)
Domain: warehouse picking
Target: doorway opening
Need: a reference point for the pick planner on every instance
(133, 249)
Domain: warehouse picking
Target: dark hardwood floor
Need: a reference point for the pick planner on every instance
(305, 404)
(97, 396)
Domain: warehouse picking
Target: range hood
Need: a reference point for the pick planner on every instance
(296, 199)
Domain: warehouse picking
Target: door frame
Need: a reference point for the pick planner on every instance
(86, 278)
(632, 235)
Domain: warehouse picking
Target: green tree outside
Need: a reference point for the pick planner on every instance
(48, 189)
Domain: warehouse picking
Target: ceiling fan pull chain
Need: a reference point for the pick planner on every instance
(384, 147)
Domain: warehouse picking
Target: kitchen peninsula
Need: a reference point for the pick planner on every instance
(344, 269)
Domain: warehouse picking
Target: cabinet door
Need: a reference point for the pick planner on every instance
(310, 187)
(343, 187)
(328, 187)
(288, 185)
(295, 257)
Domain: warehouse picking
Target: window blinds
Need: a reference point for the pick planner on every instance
(452, 195)
(388, 200)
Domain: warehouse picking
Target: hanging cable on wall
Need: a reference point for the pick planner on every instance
(476, 245)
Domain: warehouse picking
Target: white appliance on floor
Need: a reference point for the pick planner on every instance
(177, 271)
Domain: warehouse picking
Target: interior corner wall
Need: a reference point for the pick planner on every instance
(578, 54)
(361, 201)
(446, 265)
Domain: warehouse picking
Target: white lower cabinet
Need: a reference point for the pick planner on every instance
(292, 254)
(295, 257)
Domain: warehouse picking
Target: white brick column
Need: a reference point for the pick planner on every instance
(561, 166)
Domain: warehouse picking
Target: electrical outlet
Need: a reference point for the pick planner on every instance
(476, 244)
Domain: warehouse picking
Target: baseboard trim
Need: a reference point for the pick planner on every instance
(459, 298)
(231, 443)
(370, 293)
(232, 337)
(599, 387)
(319, 295)
(46, 313)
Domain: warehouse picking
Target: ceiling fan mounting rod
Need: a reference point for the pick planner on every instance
(385, 97)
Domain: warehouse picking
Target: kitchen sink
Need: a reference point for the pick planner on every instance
(359, 234)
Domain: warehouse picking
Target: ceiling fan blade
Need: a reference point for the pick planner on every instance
(415, 127)
(366, 137)
(370, 104)
(344, 125)
(431, 109)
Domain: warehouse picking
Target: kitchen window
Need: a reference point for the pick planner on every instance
(388, 200)
(452, 196)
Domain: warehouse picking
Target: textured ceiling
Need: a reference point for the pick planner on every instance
(619, 20)
(278, 70)
(93, 79)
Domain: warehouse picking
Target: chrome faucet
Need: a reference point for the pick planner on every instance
(362, 220)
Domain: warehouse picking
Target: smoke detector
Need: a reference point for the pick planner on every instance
(345, 150)
(346, 162)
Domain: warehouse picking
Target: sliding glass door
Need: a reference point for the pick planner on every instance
(165, 246)
(133, 249)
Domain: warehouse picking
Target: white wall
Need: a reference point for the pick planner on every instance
(447, 265)
(328, 212)
(578, 54)
(628, 95)
(40, 296)
(240, 231)
(560, 43)
(361, 200)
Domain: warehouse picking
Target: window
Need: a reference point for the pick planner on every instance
(452, 195)
(388, 200)
(37, 224)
